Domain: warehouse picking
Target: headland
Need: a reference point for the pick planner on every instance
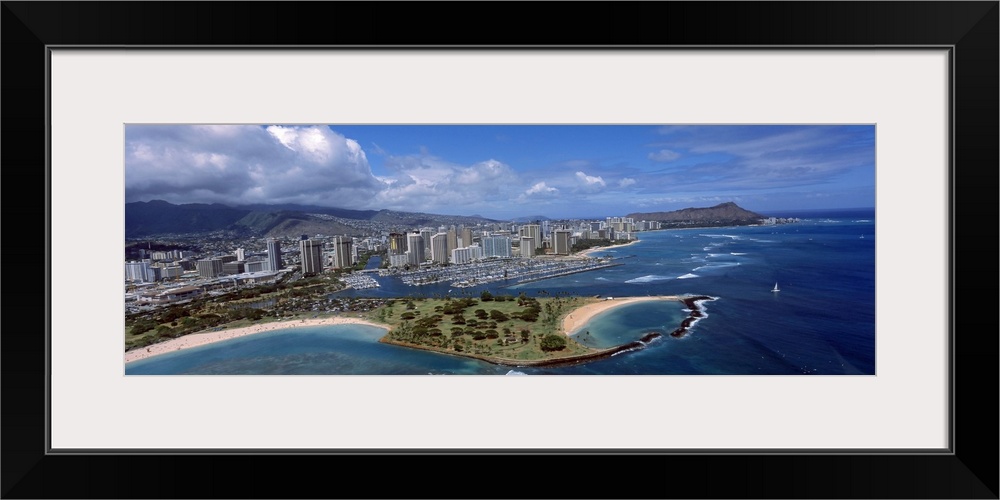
(527, 325)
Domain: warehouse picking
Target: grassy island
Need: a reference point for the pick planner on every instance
(507, 330)
(502, 329)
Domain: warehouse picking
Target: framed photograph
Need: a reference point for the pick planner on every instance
(888, 107)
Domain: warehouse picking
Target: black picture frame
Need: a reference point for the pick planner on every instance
(969, 28)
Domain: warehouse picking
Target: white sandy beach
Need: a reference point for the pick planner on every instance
(579, 317)
(587, 252)
(197, 339)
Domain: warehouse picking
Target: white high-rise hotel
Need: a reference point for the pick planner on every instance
(467, 254)
(139, 271)
(439, 248)
(496, 246)
(533, 231)
(414, 249)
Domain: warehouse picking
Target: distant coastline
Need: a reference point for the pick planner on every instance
(587, 252)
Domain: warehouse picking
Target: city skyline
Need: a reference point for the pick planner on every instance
(505, 171)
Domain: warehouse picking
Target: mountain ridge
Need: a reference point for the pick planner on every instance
(728, 213)
(159, 217)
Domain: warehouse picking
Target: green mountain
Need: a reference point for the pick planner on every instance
(159, 217)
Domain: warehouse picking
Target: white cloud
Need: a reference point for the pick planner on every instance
(239, 164)
(664, 155)
(590, 180)
(310, 165)
(423, 182)
(540, 188)
(628, 181)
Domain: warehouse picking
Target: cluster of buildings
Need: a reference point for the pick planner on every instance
(441, 245)
(149, 278)
(461, 245)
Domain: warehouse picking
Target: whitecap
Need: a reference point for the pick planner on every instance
(737, 253)
(515, 372)
(718, 265)
(687, 276)
(648, 278)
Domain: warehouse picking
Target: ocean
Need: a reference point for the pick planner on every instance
(821, 322)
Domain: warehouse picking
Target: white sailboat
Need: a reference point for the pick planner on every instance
(775, 289)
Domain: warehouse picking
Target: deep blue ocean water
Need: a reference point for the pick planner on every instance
(822, 321)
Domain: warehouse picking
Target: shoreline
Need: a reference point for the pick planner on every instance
(204, 338)
(570, 323)
(587, 252)
(581, 315)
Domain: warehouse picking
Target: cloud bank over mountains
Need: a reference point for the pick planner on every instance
(561, 168)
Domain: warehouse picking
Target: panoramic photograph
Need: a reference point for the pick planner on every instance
(329, 249)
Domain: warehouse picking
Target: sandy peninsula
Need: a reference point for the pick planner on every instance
(587, 252)
(198, 339)
(579, 317)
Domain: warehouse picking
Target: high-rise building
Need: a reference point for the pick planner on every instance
(621, 224)
(426, 234)
(461, 256)
(466, 237)
(397, 243)
(398, 260)
(256, 266)
(561, 241)
(240, 254)
(415, 247)
(273, 255)
(496, 246)
(465, 255)
(452, 239)
(343, 256)
(235, 267)
(533, 231)
(172, 272)
(527, 247)
(312, 256)
(138, 272)
(439, 248)
(209, 268)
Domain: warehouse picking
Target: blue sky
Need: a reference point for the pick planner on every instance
(505, 171)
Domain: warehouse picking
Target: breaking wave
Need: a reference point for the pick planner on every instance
(648, 278)
(719, 265)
